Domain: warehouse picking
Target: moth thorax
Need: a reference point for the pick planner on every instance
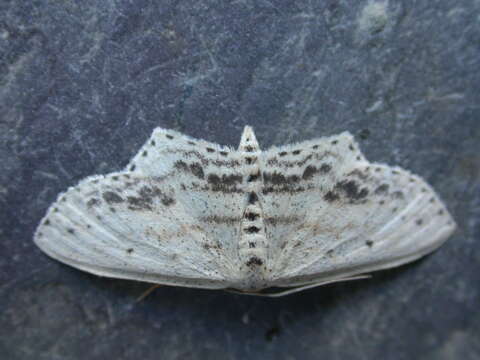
(250, 151)
(252, 171)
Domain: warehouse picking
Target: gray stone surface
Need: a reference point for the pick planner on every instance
(83, 83)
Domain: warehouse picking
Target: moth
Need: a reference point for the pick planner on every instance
(187, 212)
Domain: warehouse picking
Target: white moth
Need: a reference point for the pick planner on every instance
(187, 212)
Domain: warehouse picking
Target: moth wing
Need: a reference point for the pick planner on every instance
(168, 149)
(334, 215)
(132, 226)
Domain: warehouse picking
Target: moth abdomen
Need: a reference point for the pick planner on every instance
(253, 244)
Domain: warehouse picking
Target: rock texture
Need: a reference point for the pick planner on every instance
(82, 84)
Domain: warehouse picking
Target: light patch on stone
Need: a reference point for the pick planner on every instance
(374, 17)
